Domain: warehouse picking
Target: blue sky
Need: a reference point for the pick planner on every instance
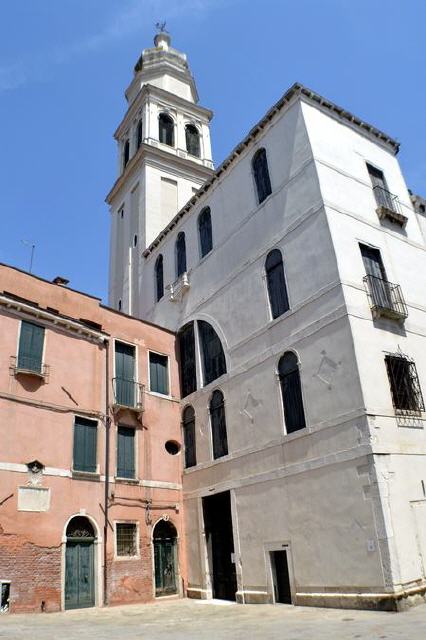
(65, 64)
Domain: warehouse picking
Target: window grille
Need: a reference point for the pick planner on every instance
(189, 437)
(261, 175)
(404, 383)
(126, 539)
(218, 425)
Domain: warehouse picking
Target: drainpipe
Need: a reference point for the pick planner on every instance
(106, 495)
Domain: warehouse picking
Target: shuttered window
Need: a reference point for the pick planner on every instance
(192, 140)
(84, 450)
(218, 425)
(125, 387)
(188, 376)
(291, 390)
(261, 175)
(31, 341)
(205, 231)
(189, 437)
(166, 130)
(159, 278)
(158, 373)
(214, 363)
(125, 452)
(277, 289)
(180, 254)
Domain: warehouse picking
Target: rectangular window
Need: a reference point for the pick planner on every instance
(125, 452)
(126, 539)
(85, 436)
(125, 385)
(31, 341)
(158, 373)
(404, 383)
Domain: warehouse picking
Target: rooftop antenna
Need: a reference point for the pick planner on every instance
(161, 26)
(32, 245)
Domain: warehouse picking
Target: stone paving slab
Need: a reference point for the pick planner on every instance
(196, 620)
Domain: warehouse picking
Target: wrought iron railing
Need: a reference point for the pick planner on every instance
(128, 393)
(30, 365)
(179, 286)
(385, 298)
(388, 205)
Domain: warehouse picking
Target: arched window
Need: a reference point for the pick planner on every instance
(139, 134)
(159, 279)
(218, 425)
(189, 437)
(277, 290)
(166, 129)
(180, 254)
(291, 390)
(126, 153)
(205, 231)
(214, 363)
(188, 375)
(192, 140)
(261, 175)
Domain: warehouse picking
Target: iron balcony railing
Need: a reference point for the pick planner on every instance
(128, 393)
(179, 286)
(30, 365)
(385, 298)
(388, 205)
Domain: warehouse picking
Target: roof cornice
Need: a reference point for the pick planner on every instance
(296, 91)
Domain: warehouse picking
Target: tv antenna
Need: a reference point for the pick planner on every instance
(32, 245)
(161, 26)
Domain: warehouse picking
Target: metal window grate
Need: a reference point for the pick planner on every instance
(126, 539)
(404, 382)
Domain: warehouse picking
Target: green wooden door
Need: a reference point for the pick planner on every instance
(79, 574)
(165, 567)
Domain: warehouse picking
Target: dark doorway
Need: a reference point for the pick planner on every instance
(220, 545)
(280, 576)
(79, 564)
(165, 558)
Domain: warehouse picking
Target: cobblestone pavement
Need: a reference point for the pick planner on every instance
(195, 620)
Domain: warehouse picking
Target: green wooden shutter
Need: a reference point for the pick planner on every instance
(125, 374)
(126, 452)
(31, 342)
(85, 437)
(158, 373)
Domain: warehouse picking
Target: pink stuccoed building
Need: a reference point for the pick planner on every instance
(90, 464)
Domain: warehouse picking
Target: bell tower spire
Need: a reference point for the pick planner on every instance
(164, 156)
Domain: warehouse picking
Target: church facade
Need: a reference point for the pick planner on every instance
(292, 276)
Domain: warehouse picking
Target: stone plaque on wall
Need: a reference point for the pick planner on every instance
(33, 499)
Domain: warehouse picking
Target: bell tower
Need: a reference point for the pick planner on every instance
(164, 156)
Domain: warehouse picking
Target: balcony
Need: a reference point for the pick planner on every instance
(128, 394)
(386, 299)
(179, 287)
(30, 366)
(388, 206)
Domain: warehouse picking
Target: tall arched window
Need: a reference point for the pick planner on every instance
(180, 254)
(166, 129)
(188, 373)
(276, 283)
(291, 391)
(261, 175)
(192, 140)
(214, 363)
(126, 153)
(188, 423)
(159, 279)
(205, 231)
(139, 134)
(218, 425)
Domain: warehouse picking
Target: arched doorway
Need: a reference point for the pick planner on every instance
(80, 564)
(165, 558)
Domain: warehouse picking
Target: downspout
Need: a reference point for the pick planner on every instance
(106, 495)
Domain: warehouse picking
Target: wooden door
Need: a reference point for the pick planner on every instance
(79, 574)
(165, 567)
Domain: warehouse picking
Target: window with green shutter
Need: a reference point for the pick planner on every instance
(125, 387)
(31, 341)
(158, 373)
(125, 452)
(85, 436)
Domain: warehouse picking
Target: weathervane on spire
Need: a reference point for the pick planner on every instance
(161, 27)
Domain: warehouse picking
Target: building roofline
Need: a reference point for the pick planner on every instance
(296, 90)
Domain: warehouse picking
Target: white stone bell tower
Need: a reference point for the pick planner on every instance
(164, 156)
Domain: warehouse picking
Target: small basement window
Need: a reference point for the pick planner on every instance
(126, 539)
